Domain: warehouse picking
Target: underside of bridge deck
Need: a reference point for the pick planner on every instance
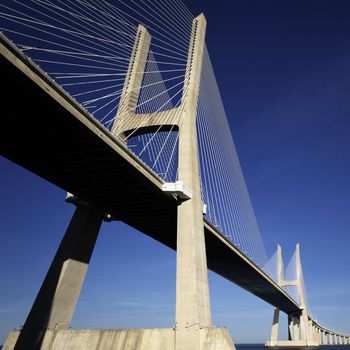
(44, 131)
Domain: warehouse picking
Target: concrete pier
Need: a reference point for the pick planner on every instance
(192, 290)
(55, 303)
(193, 311)
(301, 329)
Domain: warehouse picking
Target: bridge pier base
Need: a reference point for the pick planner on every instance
(124, 339)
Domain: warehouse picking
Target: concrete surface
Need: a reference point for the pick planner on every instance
(125, 339)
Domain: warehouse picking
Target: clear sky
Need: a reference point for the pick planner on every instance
(283, 68)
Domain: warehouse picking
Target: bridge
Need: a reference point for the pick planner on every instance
(155, 153)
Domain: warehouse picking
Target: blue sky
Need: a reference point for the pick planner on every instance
(283, 68)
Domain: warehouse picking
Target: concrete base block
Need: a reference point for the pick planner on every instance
(11, 340)
(291, 344)
(125, 339)
(215, 339)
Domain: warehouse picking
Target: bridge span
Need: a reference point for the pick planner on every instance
(51, 135)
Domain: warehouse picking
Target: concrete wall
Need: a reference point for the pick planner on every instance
(125, 339)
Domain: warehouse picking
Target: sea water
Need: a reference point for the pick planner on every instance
(262, 347)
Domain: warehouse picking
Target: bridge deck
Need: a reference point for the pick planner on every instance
(46, 132)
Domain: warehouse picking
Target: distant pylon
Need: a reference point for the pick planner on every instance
(301, 328)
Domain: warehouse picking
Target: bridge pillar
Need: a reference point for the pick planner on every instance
(275, 326)
(193, 312)
(306, 334)
(324, 338)
(296, 328)
(55, 303)
(192, 291)
(275, 322)
(133, 81)
(290, 327)
(301, 330)
(316, 336)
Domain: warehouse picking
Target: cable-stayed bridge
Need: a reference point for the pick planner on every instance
(119, 105)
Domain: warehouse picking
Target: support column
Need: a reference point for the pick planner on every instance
(296, 327)
(275, 324)
(276, 314)
(192, 291)
(325, 338)
(314, 331)
(290, 327)
(330, 339)
(305, 331)
(55, 303)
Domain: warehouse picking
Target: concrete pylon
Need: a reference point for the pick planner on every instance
(133, 82)
(306, 333)
(56, 301)
(193, 312)
(302, 331)
(276, 314)
(192, 291)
